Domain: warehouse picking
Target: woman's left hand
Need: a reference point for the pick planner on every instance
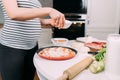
(57, 18)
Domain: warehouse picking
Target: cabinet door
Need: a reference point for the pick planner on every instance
(45, 37)
(103, 18)
(1, 16)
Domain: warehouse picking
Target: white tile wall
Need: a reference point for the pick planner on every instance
(101, 32)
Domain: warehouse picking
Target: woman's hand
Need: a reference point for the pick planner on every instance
(57, 18)
(48, 23)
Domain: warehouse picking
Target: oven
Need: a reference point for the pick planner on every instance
(71, 6)
(77, 29)
(75, 11)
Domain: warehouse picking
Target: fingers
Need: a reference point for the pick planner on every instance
(58, 19)
(61, 21)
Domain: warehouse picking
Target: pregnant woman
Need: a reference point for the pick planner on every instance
(19, 35)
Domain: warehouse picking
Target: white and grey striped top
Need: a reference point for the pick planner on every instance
(21, 34)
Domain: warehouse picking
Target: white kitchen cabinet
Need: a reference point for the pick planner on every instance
(45, 37)
(1, 16)
(46, 3)
(103, 18)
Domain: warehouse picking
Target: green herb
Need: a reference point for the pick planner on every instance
(101, 54)
(99, 64)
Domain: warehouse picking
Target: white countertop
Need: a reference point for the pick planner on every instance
(52, 70)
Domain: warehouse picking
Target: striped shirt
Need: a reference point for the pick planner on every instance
(21, 34)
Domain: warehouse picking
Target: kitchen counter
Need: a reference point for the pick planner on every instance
(52, 70)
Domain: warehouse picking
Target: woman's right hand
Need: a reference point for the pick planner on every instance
(58, 18)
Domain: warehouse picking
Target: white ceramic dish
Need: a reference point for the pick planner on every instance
(81, 39)
(59, 41)
(89, 39)
(67, 24)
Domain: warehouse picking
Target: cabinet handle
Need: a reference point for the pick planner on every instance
(88, 21)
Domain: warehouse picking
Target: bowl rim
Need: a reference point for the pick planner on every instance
(53, 39)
